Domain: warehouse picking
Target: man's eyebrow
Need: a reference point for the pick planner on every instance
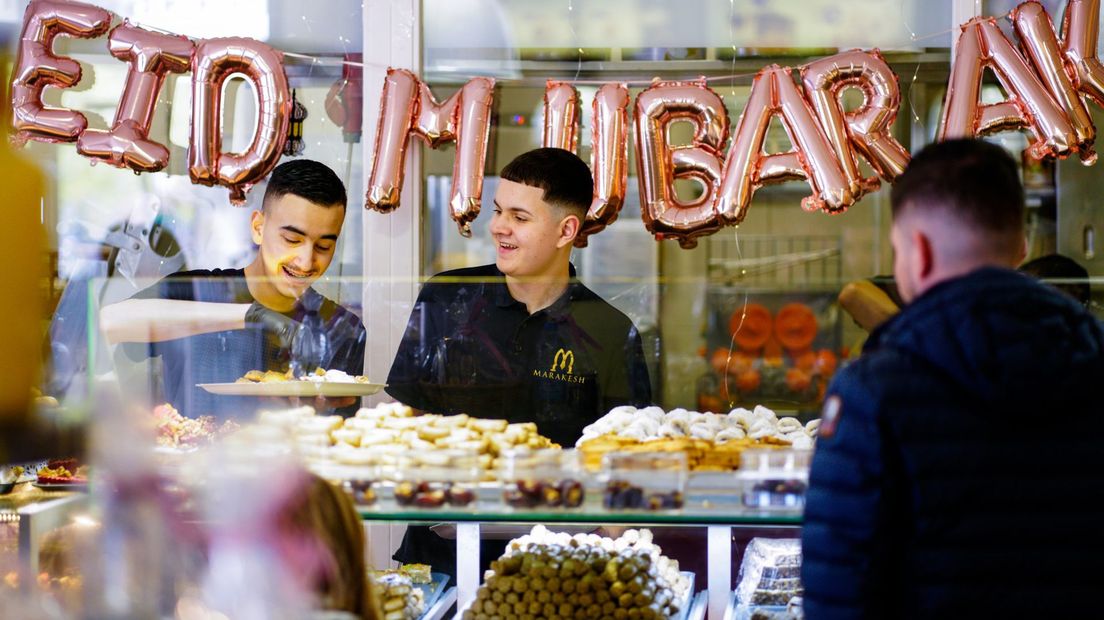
(296, 231)
(522, 209)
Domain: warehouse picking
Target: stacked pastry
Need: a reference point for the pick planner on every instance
(390, 433)
(398, 597)
(546, 575)
(711, 441)
(770, 573)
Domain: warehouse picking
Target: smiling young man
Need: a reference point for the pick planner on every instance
(213, 326)
(520, 339)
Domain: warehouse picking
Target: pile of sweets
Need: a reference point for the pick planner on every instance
(398, 597)
(712, 441)
(385, 434)
(176, 431)
(547, 575)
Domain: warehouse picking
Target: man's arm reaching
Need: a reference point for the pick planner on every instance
(158, 320)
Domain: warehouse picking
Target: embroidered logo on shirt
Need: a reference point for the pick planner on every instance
(564, 359)
(564, 362)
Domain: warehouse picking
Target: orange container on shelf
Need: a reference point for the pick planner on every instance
(795, 327)
(751, 326)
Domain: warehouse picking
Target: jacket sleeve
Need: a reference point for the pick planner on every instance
(847, 506)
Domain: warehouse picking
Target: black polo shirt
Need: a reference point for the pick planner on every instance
(470, 347)
(224, 356)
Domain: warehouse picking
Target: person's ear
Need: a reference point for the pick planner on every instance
(569, 229)
(256, 225)
(924, 255)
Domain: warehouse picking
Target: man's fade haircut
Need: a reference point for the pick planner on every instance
(308, 179)
(973, 181)
(561, 175)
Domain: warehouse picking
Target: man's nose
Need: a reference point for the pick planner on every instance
(304, 257)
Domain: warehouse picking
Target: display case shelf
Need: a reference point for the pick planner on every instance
(584, 516)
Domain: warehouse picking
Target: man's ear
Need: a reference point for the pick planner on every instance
(924, 255)
(256, 225)
(569, 229)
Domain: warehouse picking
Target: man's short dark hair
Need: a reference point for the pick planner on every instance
(308, 179)
(564, 178)
(975, 181)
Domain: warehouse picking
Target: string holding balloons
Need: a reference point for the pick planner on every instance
(150, 56)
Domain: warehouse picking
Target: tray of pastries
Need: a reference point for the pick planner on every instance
(330, 383)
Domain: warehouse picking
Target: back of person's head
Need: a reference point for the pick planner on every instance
(324, 512)
(561, 175)
(971, 183)
(1059, 267)
(308, 179)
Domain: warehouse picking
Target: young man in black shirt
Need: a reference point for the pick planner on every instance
(521, 339)
(213, 326)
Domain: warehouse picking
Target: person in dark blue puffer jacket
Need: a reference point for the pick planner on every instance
(959, 472)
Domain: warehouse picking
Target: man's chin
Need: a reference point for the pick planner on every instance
(292, 291)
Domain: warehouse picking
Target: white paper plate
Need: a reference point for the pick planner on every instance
(294, 388)
(72, 487)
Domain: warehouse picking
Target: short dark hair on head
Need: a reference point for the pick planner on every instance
(308, 179)
(564, 178)
(972, 180)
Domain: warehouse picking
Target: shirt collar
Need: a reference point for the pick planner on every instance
(560, 307)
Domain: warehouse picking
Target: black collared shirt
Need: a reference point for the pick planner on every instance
(470, 347)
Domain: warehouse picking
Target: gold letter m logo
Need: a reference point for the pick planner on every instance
(563, 359)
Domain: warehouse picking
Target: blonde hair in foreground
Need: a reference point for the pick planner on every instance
(325, 511)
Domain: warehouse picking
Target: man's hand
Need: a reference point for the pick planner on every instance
(279, 327)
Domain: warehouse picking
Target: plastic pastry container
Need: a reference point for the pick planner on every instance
(541, 479)
(775, 479)
(644, 480)
(436, 478)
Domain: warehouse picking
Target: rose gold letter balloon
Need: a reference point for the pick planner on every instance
(773, 93)
(1029, 105)
(561, 116)
(609, 159)
(1040, 42)
(659, 164)
(215, 60)
(151, 56)
(1080, 29)
(867, 129)
(407, 107)
(36, 67)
